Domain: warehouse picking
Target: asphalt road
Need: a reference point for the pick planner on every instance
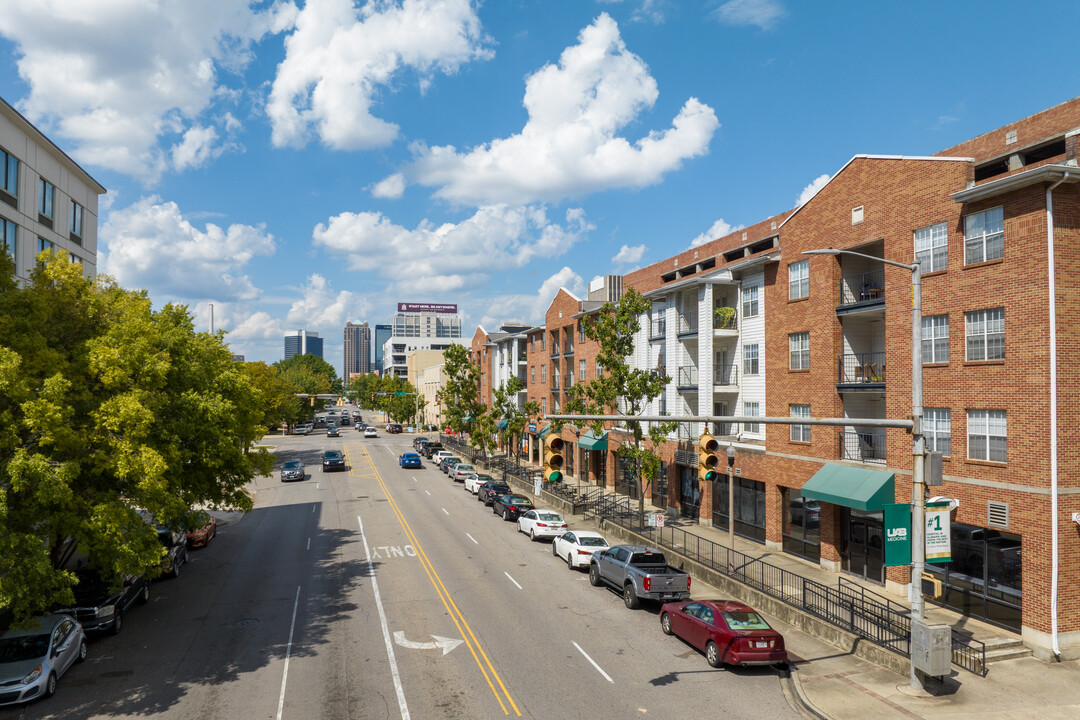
(389, 593)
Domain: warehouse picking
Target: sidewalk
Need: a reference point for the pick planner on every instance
(838, 684)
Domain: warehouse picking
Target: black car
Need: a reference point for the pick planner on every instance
(99, 607)
(175, 543)
(420, 441)
(447, 464)
(332, 431)
(393, 428)
(344, 420)
(333, 460)
(510, 506)
(431, 448)
(487, 492)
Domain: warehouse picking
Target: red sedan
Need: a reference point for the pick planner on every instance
(206, 531)
(729, 632)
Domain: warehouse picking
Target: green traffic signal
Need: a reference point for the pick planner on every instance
(555, 476)
(712, 476)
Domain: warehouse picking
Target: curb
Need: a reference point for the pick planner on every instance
(797, 697)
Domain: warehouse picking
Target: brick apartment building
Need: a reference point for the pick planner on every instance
(747, 325)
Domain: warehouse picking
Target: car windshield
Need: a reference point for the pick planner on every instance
(517, 500)
(24, 647)
(465, 467)
(332, 454)
(292, 465)
(550, 517)
(483, 478)
(592, 541)
(745, 621)
(500, 488)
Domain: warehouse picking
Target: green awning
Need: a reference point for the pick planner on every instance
(543, 431)
(852, 487)
(590, 441)
(501, 425)
(467, 418)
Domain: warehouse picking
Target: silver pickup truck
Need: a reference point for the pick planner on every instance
(640, 572)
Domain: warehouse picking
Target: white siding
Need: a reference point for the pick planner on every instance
(752, 330)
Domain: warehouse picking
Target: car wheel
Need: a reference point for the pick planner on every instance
(665, 623)
(144, 595)
(594, 576)
(712, 654)
(570, 560)
(506, 515)
(532, 535)
(553, 549)
(175, 572)
(630, 598)
(117, 624)
(82, 652)
(50, 685)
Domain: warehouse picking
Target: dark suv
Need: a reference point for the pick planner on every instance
(175, 543)
(393, 428)
(431, 448)
(98, 607)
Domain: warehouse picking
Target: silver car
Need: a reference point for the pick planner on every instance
(293, 470)
(32, 660)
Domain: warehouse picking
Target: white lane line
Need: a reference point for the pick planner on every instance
(313, 507)
(444, 510)
(309, 543)
(513, 580)
(316, 486)
(414, 479)
(598, 668)
(389, 450)
(288, 652)
(471, 538)
(428, 492)
(385, 630)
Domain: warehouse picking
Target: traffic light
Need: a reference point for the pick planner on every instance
(553, 458)
(707, 460)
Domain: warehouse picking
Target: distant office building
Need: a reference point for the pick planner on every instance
(303, 342)
(357, 350)
(419, 326)
(382, 334)
(238, 358)
(49, 202)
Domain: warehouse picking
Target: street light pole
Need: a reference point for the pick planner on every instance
(731, 504)
(918, 443)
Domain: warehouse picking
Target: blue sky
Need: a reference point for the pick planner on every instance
(300, 164)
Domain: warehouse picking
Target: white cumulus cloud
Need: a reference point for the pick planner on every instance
(762, 13)
(570, 145)
(151, 245)
(812, 189)
(628, 255)
(719, 229)
(390, 188)
(321, 308)
(121, 81)
(340, 57)
(528, 307)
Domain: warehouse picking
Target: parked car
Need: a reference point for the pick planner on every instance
(418, 441)
(577, 547)
(446, 464)
(205, 532)
(537, 523)
(462, 470)
(410, 460)
(333, 460)
(510, 506)
(175, 544)
(640, 573)
(430, 449)
(370, 432)
(438, 456)
(32, 660)
(729, 632)
(474, 481)
(487, 492)
(292, 470)
(332, 431)
(393, 428)
(99, 606)
(302, 428)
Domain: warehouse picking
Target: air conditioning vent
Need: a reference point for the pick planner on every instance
(997, 514)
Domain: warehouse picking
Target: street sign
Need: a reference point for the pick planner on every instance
(532, 427)
(897, 534)
(938, 532)
(659, 520)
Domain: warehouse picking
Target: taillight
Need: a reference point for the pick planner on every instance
(540, 524)
(687, 583)
(583, 552)
(648, 583)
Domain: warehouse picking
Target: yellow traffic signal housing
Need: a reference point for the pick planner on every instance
(707, 460)
(553, 457)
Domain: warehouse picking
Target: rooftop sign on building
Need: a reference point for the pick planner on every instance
(426, 307)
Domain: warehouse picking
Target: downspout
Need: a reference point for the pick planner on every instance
(1053, 421)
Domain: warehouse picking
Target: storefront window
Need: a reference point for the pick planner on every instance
(984, 578)
(625, 482)
(802, 525)
(749, 507)
(659, 490)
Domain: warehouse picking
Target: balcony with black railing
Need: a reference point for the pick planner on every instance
(687, 325)
(866, 447)
(554, 349)
(861, 371)
(726, 376)
(686, 377)
(569, 350)
(863, 289)
(658, 329)
(725, 318)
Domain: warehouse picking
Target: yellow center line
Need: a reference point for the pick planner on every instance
(444, 595)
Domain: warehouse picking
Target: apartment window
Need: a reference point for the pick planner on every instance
(543, 373)
(800, 433)
(799, 280)
(72, 257)
(76, 218)
(45, 197)
(43, 245)
(750, 301)
(935, 339)
(984, 236)
(543, 341)
(581, 331)
(932, 247)
(532, 344)
(9, 173)
(986, 435)
(750, 359)
(532, 374)
(8, 236)
(599, 369)
(936, 429)
(751, 409)
(799, 351)
(581, 370)
(543, 405)
(985, 330)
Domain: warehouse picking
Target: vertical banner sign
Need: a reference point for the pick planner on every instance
(897, 534)
(938, 547)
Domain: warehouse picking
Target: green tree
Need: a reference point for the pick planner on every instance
(621, 389)
(108, 408)
(462, 409)
(311, 375)
(280, 405)
(506, 407)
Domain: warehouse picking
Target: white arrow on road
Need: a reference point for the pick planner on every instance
(447, 644)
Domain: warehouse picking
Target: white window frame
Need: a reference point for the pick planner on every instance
(799, 280)
(543, 373)
(751, 359)
(752, 409)
(532, 374)
(46, 198)
(799, 351)
(800, 433)
(935, 339)
(750, 301)
(932, 247)
(937, 429)
(984, 236)
(583, 369)
(981, 329)
(984, 429)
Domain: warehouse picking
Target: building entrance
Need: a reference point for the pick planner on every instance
(862, 544)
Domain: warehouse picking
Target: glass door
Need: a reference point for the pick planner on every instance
(862, 544)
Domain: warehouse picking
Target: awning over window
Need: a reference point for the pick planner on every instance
(467, 418)
(544, 431)
(590, 441)
(851, 487)
(501, 425)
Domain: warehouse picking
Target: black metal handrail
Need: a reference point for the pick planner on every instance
(867, 287)
(861, 369)
(867, 447)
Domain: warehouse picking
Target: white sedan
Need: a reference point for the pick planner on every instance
(370, 432)
(474, 481)
(539, 523)
(577, 547)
